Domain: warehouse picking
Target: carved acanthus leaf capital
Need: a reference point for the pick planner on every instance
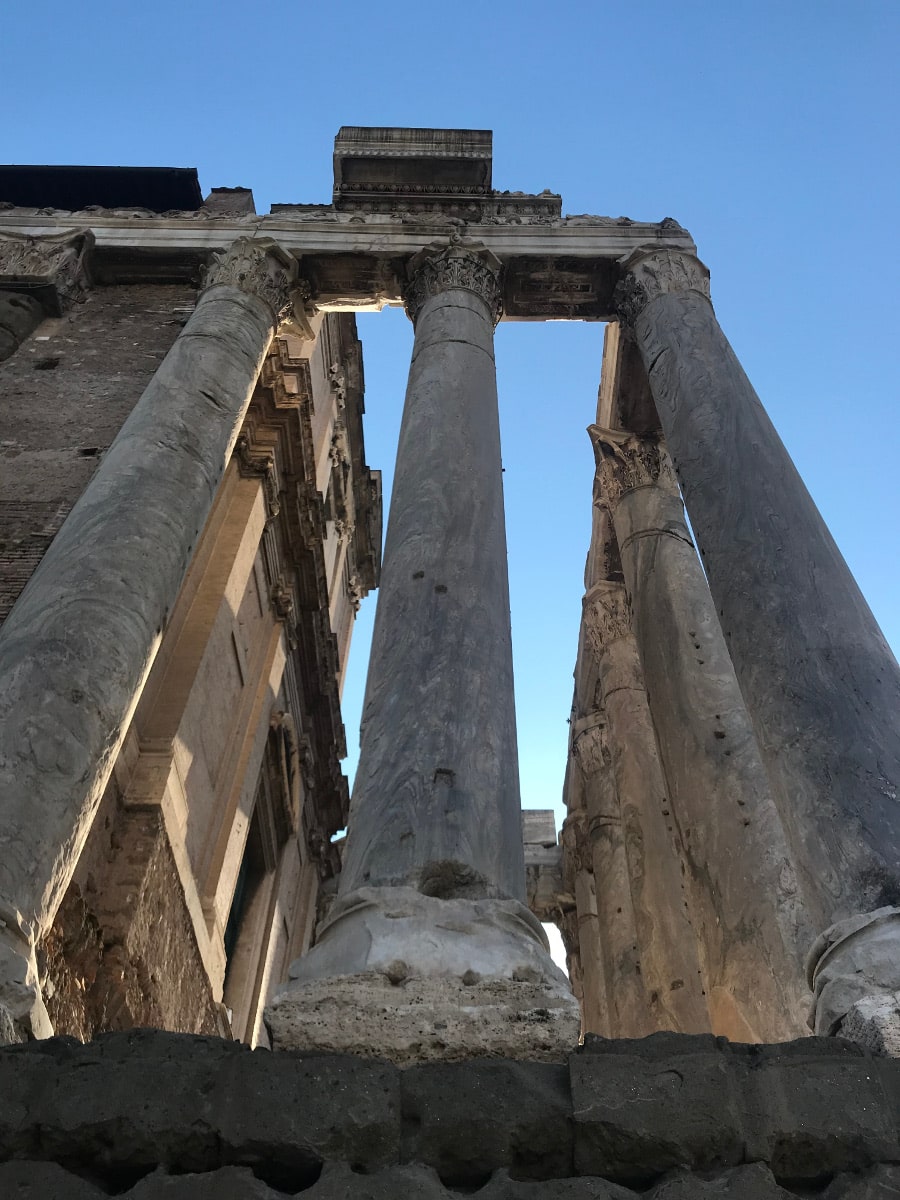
(52, 266)
(606, 615)
(260, 267)
(626, 461)
(656, 271)
(432, 272)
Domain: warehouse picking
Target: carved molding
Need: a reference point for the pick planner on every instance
(606, 615)
(54, 264)
(456, 266)
(626, 461)
(259, 267)
(656, 272)
(261, 465)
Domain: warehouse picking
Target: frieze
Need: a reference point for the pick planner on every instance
(606, 615)
(627, 461)
(259, 267)
(456, 266)
(657, 271)
(53, 266)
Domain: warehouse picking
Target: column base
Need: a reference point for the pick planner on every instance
(854, 971)
(412, 978)
(22, 1012)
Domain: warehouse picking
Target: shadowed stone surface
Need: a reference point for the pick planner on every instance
(515, 1115)
(178, 1116)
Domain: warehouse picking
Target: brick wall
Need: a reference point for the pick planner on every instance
(63, 397)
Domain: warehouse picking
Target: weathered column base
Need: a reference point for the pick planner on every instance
(854, 971)
(22, 1012)
(413, 978)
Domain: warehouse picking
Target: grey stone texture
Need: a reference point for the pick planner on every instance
(820, 682)
(414, 978)
(436, 800)
(671, 1116)
(742, 888)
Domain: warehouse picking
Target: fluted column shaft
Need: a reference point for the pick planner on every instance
(821, 684)
(79, 642)
(436, 800)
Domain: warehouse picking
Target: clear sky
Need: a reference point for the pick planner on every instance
(768, 128)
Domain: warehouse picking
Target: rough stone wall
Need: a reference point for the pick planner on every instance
(121, 951)
(64, 395)
(670, 1117)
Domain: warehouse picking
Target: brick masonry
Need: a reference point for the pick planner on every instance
(672, 1117)
(65, 393)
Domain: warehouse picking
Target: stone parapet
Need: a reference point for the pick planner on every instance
(148, 1114)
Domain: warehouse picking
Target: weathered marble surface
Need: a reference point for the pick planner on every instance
(742, 887)
(78, 643)
(398, 975)
(669, 962)
(820, 682)
(436, 799)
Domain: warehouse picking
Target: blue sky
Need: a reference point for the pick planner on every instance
(769, 129)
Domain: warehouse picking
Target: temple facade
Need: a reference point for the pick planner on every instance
(188, 526)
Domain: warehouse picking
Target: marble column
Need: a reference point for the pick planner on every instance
(79, 642)
(820, 683)
(669, 962)
(430, 904)
(744, 898)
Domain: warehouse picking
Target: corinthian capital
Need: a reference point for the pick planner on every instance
(654, 271)
(606, 615)
(431, 272)
(259, 267)
(626, 461)
(52, 267)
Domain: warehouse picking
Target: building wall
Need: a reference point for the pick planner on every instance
(65, 393)
(199, 880)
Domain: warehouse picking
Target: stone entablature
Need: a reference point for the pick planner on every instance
(553, 268)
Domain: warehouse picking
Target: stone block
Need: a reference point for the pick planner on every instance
(299, 1110)
(45, 1181)
(228, 1183)
(752, 1182)
(817, 1109)
(664, 1103)
(882, 1183)
(339, 1181)
(468, 1119)
(129, 1102)
(502, 1187)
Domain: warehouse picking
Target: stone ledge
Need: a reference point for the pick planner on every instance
(754, 1181)
(147, 1114)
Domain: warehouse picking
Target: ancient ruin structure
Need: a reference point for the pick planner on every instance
(188, 524)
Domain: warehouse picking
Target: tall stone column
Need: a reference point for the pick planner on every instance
(820, 683)
(669, 963)
(744, 897)
(430, 922)
(79, 642)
